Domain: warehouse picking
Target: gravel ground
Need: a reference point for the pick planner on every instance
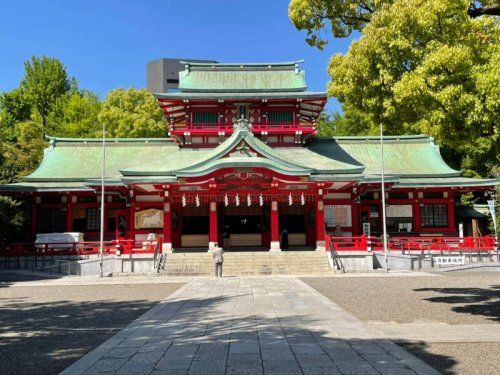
(45, 329)
(454, 298)
(458, 358)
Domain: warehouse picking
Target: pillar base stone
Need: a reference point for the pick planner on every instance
(275, 246)
(320, 246)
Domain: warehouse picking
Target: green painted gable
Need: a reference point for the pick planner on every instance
(219, 77)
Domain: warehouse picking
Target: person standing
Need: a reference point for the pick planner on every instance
(218, 259)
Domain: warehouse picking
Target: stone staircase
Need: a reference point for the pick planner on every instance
(248, 263)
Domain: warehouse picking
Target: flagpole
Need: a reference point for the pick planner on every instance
(384, 224)
(103, 172)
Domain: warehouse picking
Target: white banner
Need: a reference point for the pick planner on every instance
(491, 206)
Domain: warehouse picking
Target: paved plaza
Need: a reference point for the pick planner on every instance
(248, 326)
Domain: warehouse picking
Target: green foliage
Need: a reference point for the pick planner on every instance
(424, 66)
(342, 16)
(351, 122)
(12, 219)
(132, 113)
(75, 115)
(45, 80)
(14, 107)
(23, 156)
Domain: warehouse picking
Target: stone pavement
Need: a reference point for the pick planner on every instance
(248, 326)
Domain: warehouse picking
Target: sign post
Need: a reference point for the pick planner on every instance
(101, 235)
(491, 206)
(384, 224)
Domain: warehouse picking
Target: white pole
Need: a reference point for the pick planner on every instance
(101, 239)
(384, 224)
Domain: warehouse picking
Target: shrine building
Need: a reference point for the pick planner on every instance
(243, 156)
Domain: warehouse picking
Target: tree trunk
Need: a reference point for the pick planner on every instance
(489, 10)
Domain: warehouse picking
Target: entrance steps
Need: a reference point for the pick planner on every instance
(248, 263)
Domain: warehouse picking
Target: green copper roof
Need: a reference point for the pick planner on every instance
(241, 95)
(45, 186)
(79, 160)
(75, 164)
(292, 161)
(446, 182)
(411, 156)
(219, 77)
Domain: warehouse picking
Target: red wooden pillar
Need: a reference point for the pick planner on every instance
(320, 225)
(416, 214)
(451, 213)
(355, 225)
(69, 214)
(212, 234)
(131, 216)
(167, 224)
(275, 235)
(34, 223)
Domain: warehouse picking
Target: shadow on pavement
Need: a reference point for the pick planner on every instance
(45, 338)
(474, 301)
(186, 337)
(12, 276)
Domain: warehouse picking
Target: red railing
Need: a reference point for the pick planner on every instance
(122, 246)
(228, 128)
(225, 127)
(449, 244)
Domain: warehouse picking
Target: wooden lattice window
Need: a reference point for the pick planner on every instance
(204, 117)
(280, 117)
(434, 215)
(93, 219)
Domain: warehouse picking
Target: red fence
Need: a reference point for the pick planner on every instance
(229, 127)
(364, 243)
(81, 248)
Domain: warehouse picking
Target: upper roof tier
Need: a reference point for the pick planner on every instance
(242, 77)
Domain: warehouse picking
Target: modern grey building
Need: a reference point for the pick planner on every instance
(163, 74)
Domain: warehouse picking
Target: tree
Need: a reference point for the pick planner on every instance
(23, 156)
(346, 16)
(132, 113)
(14, 108)
(12, 219)
(75, 115)
(425, 66)
(343, 16)
(45, 80)
(491, 8)
(350, 122)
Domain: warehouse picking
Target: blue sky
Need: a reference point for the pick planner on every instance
(106, 44)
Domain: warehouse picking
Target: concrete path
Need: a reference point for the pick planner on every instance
(248, 326)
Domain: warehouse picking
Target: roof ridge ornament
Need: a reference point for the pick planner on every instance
(242, 124)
